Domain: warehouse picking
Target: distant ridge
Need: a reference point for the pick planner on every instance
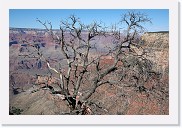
(31, 29)
(27, 29)
(159, 32)
(42, 29)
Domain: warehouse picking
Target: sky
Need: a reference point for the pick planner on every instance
(26, 18)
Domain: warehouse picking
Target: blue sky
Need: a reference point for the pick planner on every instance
(26, 18)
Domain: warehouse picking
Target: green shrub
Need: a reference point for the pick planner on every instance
(15, 111)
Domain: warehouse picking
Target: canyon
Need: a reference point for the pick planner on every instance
(119, 99)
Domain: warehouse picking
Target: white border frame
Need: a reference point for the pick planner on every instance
(171, 119)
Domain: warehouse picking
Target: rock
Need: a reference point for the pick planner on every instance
(41, 102)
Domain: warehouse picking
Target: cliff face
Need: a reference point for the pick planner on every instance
(157, 40)
(157, 43)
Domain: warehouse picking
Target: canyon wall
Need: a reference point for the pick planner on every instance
(157, 44)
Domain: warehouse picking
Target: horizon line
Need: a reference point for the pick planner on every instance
(161, 31)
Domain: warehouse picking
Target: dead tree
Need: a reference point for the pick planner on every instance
(75, 43)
